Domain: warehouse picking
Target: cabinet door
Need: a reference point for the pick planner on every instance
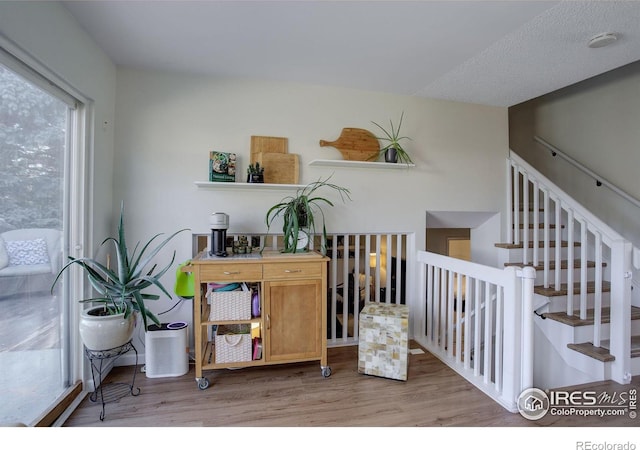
(293, 320)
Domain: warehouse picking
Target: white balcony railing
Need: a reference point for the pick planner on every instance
(479, 321)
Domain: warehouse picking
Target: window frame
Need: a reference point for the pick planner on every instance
(77, 204)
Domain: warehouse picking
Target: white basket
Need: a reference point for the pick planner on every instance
(233, 348)
(230, 305)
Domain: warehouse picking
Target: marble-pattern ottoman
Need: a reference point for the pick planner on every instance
(383, 342)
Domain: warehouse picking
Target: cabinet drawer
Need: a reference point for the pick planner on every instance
(231, 272)
(289, 270)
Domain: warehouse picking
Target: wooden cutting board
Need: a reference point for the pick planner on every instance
(355, 144)
(267, 144)
(279, 168)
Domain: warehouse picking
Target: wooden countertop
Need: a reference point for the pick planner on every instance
(256, 257)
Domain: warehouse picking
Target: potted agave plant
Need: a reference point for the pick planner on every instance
(121, 297)
(299, 213)
(393, 150)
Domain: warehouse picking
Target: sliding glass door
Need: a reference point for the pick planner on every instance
(35, 132)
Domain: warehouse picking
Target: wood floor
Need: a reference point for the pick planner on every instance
(296, 395)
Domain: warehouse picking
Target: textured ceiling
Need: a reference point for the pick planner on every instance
(490, 52)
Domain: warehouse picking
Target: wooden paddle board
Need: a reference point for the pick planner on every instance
(267, 144)
(279, 168)
(355, 144)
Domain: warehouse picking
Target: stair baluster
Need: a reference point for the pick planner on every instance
(583, 269)
(570, 261)
(558, 244)
(525, 221)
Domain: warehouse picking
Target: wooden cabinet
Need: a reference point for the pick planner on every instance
(293, 314)
(294, 311)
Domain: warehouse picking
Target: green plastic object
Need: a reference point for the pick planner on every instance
(184, 286)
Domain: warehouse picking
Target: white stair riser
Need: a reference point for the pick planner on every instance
(591, 271)
(635, 328)
(585, 333)
(635, 366)
(552, 222)
(515, 254)
(559, 303)
(540, 231)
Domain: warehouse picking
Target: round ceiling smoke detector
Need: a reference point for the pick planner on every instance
(602, 40)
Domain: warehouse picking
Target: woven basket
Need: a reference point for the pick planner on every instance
(231, 305)
(233, 348)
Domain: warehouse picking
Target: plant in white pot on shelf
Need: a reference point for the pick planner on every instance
(120, 290)
(393, 150)
(300, 214)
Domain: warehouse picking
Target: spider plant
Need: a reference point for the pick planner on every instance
(121, 290)
(393, 139)
(302, 212)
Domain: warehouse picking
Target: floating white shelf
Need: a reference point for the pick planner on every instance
(252, 186)
(362, 164)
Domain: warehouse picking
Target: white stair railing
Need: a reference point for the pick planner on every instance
(610, 253)
(479, 321)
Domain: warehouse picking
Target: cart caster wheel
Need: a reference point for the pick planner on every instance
(326, 371)
(203, 383)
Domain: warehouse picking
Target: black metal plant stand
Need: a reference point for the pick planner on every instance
(110, 392)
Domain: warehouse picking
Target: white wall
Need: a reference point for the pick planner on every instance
(167, 124)
(48, 33)
(596, 123)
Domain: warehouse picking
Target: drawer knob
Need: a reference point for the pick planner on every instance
(231, 273)
(292, 271)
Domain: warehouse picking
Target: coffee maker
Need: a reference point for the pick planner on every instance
(219, 225)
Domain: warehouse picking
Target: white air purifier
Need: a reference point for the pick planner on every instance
(167, 350)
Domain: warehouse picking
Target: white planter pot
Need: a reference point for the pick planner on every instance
(105, 332)
(303, 240)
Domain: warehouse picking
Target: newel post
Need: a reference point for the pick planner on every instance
(512, 331)
(518, 333)
(528, 275)
(620, 325)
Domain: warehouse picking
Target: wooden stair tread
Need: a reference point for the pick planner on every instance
(576, 321)
(508, 245)
(552, 264)
(602, 353)
(587, 348)
(551, 292)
